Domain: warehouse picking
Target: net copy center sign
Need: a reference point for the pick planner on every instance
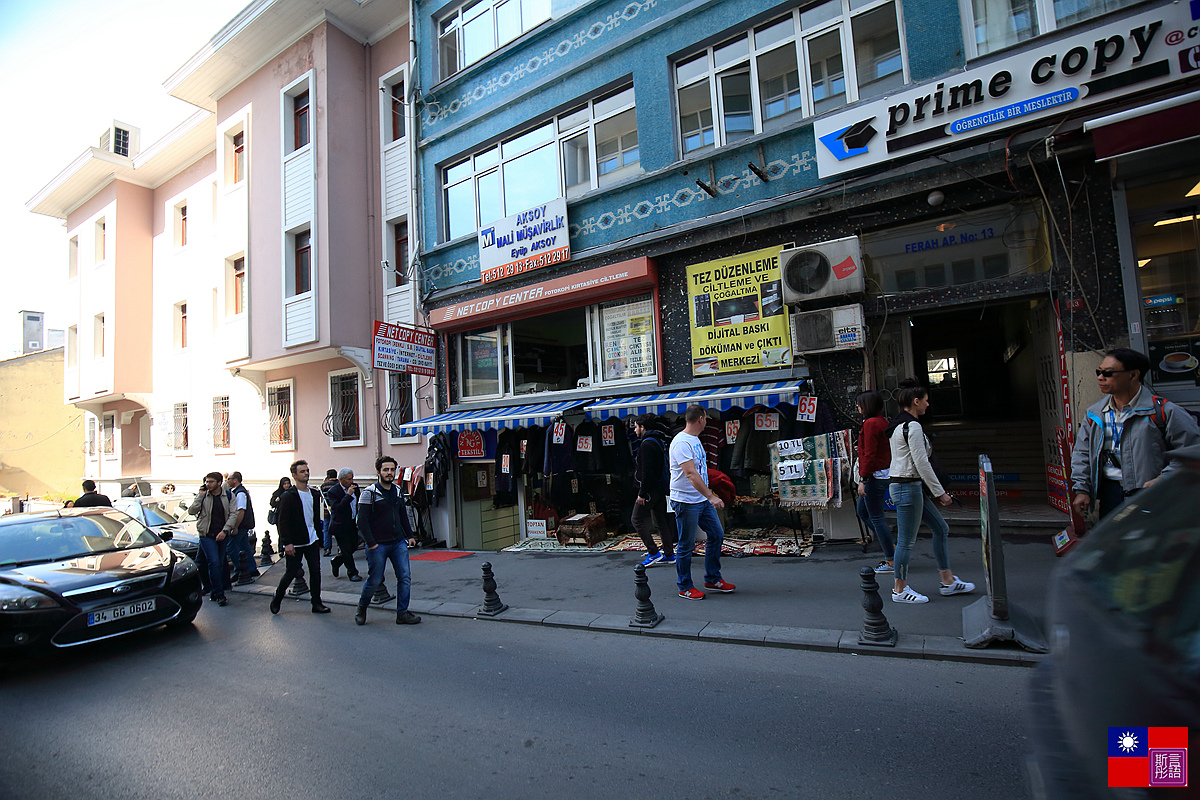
(401, 348)
(530, 240)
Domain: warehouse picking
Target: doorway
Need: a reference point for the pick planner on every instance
(483, 525)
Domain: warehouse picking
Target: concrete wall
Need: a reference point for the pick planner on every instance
(41, 440)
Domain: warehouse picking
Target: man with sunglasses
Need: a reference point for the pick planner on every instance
(1126, 439)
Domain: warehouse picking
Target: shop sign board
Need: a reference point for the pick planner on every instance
(535, 528)
(1119, 57)
(470, 444)
(738, 318)
(806, 409)
(402, 348)
(532, 239)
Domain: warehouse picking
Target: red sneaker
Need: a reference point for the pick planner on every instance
(692, 594)
(720, 586)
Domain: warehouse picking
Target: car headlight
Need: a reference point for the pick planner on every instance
(18, 598)
(184, 567)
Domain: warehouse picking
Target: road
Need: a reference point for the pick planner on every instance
(245, 705)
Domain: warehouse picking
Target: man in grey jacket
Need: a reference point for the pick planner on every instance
(216, 514)
(1127, 440)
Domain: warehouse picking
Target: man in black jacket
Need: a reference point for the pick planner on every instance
(343, 501)
(299, 520)
(383, 523)
(653, 482)
(91, 497)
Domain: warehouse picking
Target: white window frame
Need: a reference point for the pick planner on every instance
(799, 39)
(397, 261)
(290, 445)
(490, 163)
(107, 419)
(231, 284)
(229, 150)
(413, 379)
(451, 26)
(289, 258)
(99, 336)
(358, 383)
(287, 95)
(1043, 16)
(174, 442)
(386, 86)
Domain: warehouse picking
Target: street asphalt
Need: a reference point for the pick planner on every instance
(811, 603)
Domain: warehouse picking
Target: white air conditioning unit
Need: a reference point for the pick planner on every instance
(825, 269)
(829, 329)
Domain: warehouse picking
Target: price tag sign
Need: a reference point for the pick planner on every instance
(790, 470)
(504, 463)
(408, 473)
(560, 432)
(535, 528)
(575, 485)
(524, 447)
(790, 447)
(583, 444)
(731, 430)
(806, 409)
(481, 478)
(429, 481)
(767, 421)
(592, 506)
(608, 435)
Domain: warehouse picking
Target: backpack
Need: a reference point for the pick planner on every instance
(1159, 416)
(665, 478)
(248, 517)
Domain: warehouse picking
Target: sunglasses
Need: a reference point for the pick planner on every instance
(1108, 373)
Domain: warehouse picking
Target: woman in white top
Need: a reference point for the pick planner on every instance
(909, 473)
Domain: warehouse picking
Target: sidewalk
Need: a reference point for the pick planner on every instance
(807, 603)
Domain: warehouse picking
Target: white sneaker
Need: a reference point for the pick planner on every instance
(958, 586)
(909, 596)
(884, 567)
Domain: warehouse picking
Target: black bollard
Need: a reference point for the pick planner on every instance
(299, 586)
(876, 630)
(265, 559)
(491, 601)
(645, 616)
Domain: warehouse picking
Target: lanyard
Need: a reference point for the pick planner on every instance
(1116, 430)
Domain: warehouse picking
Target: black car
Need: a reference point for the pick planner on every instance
(80, 575)
(165, 514)
(1124, 623)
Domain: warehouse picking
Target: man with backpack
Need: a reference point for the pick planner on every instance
(1126, 440)
(653, 478)
(383, 523)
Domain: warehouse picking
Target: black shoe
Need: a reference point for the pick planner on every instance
(356, 578)
(407, 618)
(321, 608)
(276, 602)
(383, 597)
(221, 600)
(326, 552)
(360, 616)
(334, 566)
(245, 580)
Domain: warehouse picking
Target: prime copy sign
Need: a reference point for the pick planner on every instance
(1118, 58)
(530, 240)
(400, 348)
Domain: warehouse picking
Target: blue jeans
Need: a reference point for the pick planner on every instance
(913, 507)
(870, 511)
(214, 555)
(689, 516)
(324, 534)
(397, 553)
(238, 545)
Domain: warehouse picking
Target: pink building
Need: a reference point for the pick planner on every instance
(224, 279)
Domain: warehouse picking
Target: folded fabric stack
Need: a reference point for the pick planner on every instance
(810, 472)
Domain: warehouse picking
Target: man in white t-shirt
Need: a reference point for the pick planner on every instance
(695, 506)
(299, 512)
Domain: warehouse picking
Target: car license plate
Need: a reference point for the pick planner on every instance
(120, 612)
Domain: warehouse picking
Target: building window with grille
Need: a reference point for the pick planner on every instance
(109, 435)
(279, 411)
(399, 402)
(343, 425)
(221, 423)
(92, 425)
(179, 432)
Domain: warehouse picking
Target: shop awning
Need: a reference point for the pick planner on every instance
(716, 397)
(484, 418)
(1133, 130)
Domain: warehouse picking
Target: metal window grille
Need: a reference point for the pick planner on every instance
(221, 422)
(109, 434)
(91, 438)
(400, 406)
(342, 422)
(121, 141)
(279, 405)
(179, 437)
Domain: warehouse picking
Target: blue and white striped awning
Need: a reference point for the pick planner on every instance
(716, 397)
(483, 418)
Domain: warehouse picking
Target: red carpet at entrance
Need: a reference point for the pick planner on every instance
(439, 555)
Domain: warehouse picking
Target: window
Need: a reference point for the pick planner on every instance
(238, 162)
(109, 434)
(92, 425)
(98, 333)
(612, 342)
(73, 257)
(181, 326)
(596, 144)
(343, 425)
(279, 412)
(181, 222)
(300, 276)
(995, 24)
(220, 409)
(399, 275)
(73, 347)
(120, 141)
(396, 111)
(179, 432)
(787, 69)
(300, 120)
(399, 402)
(235, 287)
(101, 243)
(481, 27)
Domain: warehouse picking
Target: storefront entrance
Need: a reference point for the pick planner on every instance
(484, 526)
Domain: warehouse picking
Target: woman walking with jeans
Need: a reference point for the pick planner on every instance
(874, 458)
(909, 473)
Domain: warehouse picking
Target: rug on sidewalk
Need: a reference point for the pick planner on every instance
(738, 544)
(439, 555)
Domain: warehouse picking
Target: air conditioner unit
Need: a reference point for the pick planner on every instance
(825, 269)
(839, 328)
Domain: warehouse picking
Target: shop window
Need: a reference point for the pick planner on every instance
(991, 25)
(279, 414)
(343, 424)
(786, 69)
(592, 145)
(220, 409)
(608, 343)
(958, 250)
(480, 27)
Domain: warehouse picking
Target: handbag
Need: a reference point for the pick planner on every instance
(273, 516)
